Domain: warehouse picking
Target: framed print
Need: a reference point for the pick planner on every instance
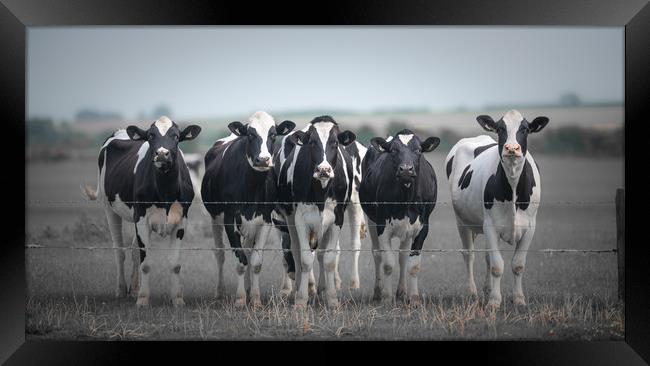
(408, 172)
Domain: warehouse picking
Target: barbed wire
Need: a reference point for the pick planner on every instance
(434, 250)
(568, 203)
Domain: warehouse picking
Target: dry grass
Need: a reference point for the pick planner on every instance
(572, 317)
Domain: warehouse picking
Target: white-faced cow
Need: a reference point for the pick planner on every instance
(495, 190)
(315, 175)
(396, 172)
(356, 223)
(143, 179)
(236, 191)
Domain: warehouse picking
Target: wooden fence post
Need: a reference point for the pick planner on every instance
(620, 240)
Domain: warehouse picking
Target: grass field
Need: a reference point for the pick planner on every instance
(570, 295)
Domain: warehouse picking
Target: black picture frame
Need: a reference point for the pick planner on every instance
(16, 15)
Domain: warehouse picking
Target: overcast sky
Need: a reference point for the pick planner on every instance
(217, 71)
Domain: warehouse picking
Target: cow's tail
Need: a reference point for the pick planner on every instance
(88, 192)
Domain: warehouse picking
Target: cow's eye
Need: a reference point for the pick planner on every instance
(418, 150)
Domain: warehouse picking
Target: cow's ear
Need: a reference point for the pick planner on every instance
(299, 138)
(346, 137)
(136, 133)
(284, 128)
(238, 128)
(189, 133)
(430, 144)
(487, 123)
(537, 124)
(380, 143)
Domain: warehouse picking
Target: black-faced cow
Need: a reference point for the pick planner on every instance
(356, 224)
(237, 170)
(396, 172)
(143, 179)
(315, 175)
(495, 190)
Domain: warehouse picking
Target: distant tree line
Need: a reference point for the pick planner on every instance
(47, 139)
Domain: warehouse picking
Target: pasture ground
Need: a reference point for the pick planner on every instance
(570, 295)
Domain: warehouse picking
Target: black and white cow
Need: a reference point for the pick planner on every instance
(396, 172)
(495, 190)
(143, 179)
(237, 170)
(356, 223)
(315, 175)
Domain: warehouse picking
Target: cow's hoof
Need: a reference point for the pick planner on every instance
(142, 301)
(256, 302)
(311, 290)
(240, 302)
(178, 302)
(120, 293)
(415, 301)
(387, 300)
(333, 303)
(377, 294)
(285, 292)
(519, 300)
(337, 283)
(299, 306)
(493, 304)
(400, 294)
(354, 285)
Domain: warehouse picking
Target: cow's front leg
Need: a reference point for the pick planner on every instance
(306, 259)
(241, 260)
(413, 265)
(330, 240)
(143, 234)
(337, 275)
(519, 263)
(495, 269)
(256, 259)
(357, 228)
(387, 264)
(176, 239)
(405, 248)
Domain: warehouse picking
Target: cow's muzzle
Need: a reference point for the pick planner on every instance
(263, 162)
(162, 160)
(406, 175)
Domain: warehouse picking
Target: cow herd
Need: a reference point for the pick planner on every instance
(304, 183)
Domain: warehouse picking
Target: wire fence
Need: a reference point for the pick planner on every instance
(435, 250)
(339, 250)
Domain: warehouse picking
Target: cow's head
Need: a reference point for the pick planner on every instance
(512, 130)
(322, 140)
(260, 133)
(405, 151)
(163, 137)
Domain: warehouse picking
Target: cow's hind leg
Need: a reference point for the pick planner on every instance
(376, 255)
(289, 265)
(467, 239)
(519, 263)
(115, 228)
(135, 267)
